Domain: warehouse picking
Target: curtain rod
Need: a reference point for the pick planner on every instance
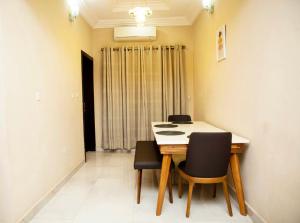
(146, 48)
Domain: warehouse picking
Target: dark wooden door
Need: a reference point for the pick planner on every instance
(88, 101)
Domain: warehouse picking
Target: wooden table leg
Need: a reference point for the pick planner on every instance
(163, 182)
(235, 171)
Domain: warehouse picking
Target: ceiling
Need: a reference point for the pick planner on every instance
(112, 13)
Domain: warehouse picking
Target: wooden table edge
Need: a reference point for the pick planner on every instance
(180, 149)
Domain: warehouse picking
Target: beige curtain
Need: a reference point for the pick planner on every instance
(139, 85)
(173, 81)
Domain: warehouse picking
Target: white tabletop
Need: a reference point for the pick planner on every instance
(188, 129)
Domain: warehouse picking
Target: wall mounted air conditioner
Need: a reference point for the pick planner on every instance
(133, 33)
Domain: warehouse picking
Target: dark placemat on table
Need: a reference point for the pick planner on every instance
(182, 122)
(170, 133)
(166, 126)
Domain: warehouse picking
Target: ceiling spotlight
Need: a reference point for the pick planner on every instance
(140, 14)
(208, 5)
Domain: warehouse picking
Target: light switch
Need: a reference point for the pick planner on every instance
(37, 96)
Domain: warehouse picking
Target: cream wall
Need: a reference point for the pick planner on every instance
(255, 93)
(43, 139)
(4, 168)
(165, 36)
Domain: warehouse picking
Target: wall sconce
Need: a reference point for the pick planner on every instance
(74, 7)
(208, 5)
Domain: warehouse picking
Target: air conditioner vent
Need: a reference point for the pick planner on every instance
(145, 33)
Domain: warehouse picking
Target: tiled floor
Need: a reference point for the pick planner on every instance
(104, 190)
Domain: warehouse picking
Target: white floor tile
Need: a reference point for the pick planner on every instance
(104, 190)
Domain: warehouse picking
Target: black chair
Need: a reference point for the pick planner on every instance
(207, 161)
(178, 118)
(147, 156)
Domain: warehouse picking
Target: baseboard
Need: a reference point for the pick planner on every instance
(44, 200)
(99, 149)
(252, 213)
(113, 151)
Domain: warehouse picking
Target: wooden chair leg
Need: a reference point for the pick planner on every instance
(170, 188)
(188, 207)
(139, 185)
(180, 190)
(226, 194)
(214, 190)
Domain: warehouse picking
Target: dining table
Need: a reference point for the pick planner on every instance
(173, 139)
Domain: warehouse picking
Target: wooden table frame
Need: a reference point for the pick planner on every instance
(169, 150)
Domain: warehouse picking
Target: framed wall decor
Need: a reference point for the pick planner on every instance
(221, 43)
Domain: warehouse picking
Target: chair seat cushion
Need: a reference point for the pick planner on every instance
(147, 155)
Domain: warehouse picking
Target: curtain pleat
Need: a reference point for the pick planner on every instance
(173, 81)
(138, 87)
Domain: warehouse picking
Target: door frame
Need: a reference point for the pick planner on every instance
(87, 56)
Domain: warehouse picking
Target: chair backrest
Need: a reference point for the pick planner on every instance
(184, 118)
(208, 154)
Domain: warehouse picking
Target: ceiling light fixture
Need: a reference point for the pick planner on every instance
(208, 5)
(140, 14)
(74, 7)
